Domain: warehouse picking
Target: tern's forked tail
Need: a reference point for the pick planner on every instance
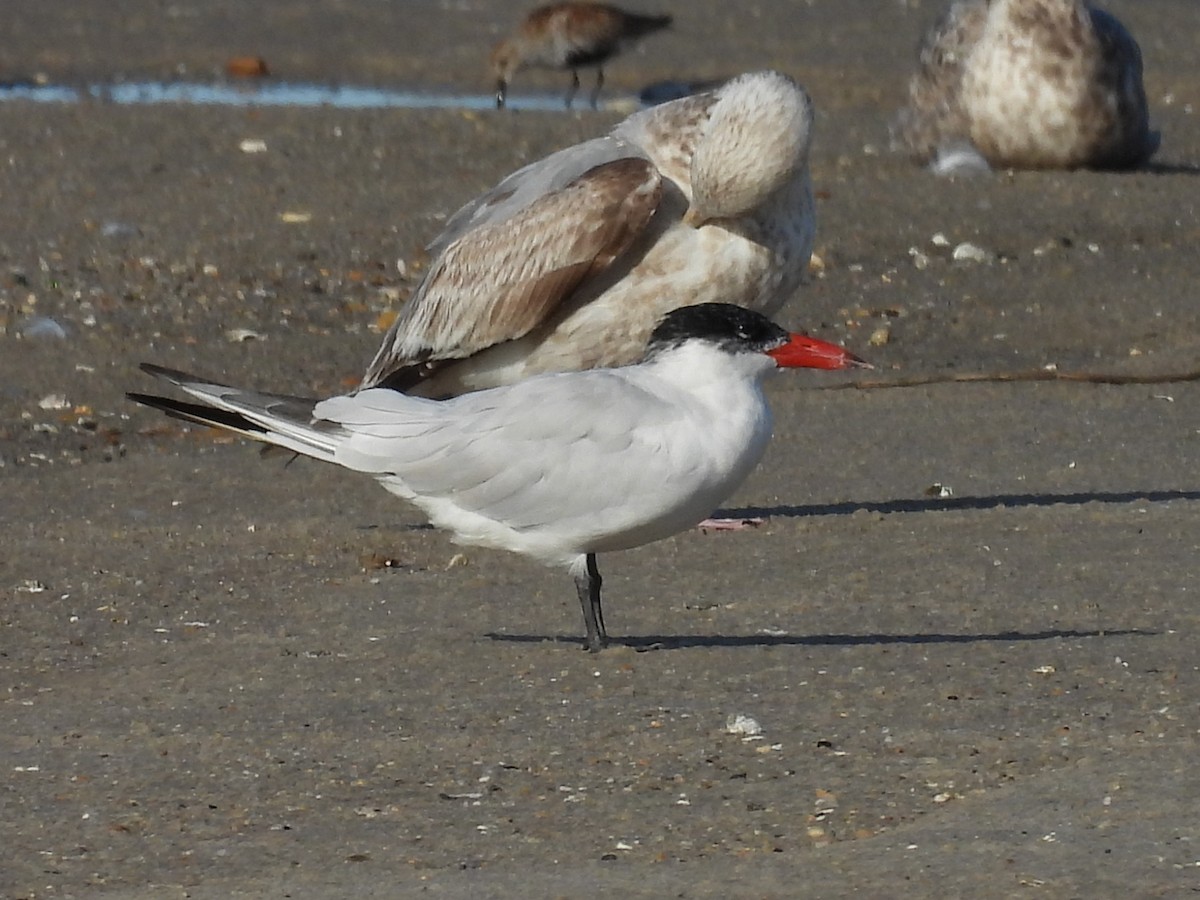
(277, 419)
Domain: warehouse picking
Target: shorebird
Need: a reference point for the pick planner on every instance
(569, 262)
(559, 467)
(570, 36)
(1028, 84)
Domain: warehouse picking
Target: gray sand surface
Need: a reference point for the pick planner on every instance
(215, 688)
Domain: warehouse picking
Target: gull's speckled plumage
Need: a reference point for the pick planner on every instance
(1028, 84)
(569, 262)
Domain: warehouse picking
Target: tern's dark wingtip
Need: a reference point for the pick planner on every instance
(156, 370)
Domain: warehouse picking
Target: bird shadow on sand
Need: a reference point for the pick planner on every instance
(1167, 168)
(943, 504)
(646, 642)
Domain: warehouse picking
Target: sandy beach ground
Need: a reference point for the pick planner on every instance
(226, 676)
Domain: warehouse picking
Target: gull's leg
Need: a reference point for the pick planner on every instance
(587, 584)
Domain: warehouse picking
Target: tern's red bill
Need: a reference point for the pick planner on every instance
(804, 352)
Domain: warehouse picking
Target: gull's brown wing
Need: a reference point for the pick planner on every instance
(1122, 97)
(499, 280)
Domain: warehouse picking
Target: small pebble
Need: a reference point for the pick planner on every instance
(969, 252)
(743, 725)
(41, 327)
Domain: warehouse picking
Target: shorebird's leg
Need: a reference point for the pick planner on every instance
(574, 87)
(587, 584)
(599, 84)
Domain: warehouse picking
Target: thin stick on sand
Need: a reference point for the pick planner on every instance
(1027, 375)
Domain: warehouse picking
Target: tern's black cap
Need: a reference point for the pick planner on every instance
(732, 328)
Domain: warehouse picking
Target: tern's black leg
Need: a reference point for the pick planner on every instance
(588, 586)
(574, 87)
(599, 84)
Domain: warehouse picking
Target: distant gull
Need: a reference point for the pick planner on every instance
(1027, 84)
(570, 36)
(569, 262)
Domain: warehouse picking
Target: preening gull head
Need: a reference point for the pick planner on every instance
(569, 262)
(1027, 84)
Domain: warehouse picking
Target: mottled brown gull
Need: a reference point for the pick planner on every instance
(569, 262)
(1027, 84)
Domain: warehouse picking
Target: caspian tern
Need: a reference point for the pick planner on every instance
(1027, 84)
(561, 466)
(570, 36)
(571, 261)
